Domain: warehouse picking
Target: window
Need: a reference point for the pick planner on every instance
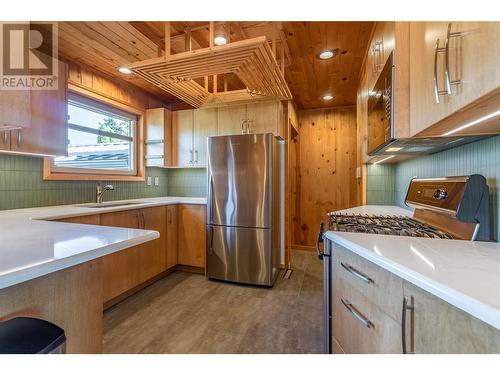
(101, 139)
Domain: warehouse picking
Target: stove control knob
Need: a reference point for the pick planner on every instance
(440, 194)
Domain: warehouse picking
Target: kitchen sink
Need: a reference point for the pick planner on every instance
(108, 204)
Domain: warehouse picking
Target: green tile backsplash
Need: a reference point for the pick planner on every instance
(21, 185)
(481, 157)
(187, 182)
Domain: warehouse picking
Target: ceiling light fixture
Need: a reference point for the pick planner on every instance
(384, 159)
(472, 123)
(124, 70)
(327, 97)
(327, 54)
(220, 40)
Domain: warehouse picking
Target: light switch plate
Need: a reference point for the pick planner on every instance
(148, 181)
(157, 181)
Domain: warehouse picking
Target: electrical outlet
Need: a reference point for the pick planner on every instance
(157, 181)
(358, 172)
(148, 181)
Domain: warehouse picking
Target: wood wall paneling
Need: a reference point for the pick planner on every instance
(326, 164)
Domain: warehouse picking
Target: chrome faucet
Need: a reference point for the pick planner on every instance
(101, 190)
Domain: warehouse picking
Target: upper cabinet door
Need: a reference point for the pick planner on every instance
(231, 119)
(183, 125)
(381, 46)
(263, 117)
(15, 108)
(474, 60)
(48, 133)
(205, 125)
(427, 74)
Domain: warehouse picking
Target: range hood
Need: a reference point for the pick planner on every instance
(404, 148)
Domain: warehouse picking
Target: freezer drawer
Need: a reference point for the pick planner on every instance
(243, 255)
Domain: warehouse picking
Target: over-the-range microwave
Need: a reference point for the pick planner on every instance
(381, 109)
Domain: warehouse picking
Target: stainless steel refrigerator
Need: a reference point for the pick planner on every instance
(243, 208)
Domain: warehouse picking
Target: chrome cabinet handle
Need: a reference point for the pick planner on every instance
(437, 91)
(249, 126)
(19, 137)
(5, 137)
(356, 273)
(243, 126)
(406, 307)
(348, 305)
(191, 157)
(196, 156)
(447, 74)
(319, 241)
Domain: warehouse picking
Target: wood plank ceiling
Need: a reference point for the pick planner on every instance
(108, 45)
(310, 78)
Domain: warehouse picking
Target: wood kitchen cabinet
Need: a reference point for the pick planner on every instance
(231, 119)
(192, 235)
(265, 117)
(473, 53)
(158, 137)
(171, 258)
(435, 326)
(153, 254)
(120, 271)
(15, 108)
(367, 315)
(46, 133)
(191, 128)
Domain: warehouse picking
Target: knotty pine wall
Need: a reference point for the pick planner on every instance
(325, 152)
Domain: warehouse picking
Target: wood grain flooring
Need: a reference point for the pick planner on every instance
(186, 313)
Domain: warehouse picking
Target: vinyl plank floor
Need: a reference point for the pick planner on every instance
(185, 313)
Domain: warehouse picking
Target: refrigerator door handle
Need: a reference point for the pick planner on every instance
(211, 247)
(211, 203)
(319, 241)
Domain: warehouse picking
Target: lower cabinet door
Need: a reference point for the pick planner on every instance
(171, 256)
(120, 271)
(440, 328)
(239, 254)
(152, 257)
(192, 235)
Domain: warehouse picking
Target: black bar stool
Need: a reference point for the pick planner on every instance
(31, 336)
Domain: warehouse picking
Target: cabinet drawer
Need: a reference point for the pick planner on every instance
(382, 335)
(379, 286)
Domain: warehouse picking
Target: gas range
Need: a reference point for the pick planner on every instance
(389, 225)
(445, 208)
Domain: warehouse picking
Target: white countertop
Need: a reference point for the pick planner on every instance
(465, 274)
(31, 246)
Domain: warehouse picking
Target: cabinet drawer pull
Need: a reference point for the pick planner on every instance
(5, 137)
(196, 156)
(406, 307)
(191, 157)
(356, 273)
(348, 305)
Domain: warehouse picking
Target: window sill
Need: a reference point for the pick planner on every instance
(48, 174)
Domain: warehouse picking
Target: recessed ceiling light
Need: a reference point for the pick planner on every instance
(327, 54)
(327, 97)
(220, 40)
(124, 70)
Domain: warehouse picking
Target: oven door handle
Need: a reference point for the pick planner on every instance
(320, 241)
